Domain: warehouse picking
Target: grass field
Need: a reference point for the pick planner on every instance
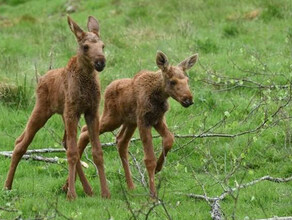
(241, 87)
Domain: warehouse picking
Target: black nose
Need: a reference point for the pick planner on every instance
(99, 65)
(187, 102)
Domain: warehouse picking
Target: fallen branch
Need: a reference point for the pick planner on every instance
(109, 144)
(264, 178)
(45, 150)
(216, 212)
(35, 157)
(8, 209)
(28, 156)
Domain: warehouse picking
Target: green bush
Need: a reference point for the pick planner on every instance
(230, 31)
(207, 46)
(15, 95)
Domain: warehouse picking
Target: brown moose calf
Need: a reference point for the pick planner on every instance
(142, 102)
(70, 91)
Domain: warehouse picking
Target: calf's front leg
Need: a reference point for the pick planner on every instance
(85, 184)
(92, 122)
(149, 156)
(71, 123)
(167, 142)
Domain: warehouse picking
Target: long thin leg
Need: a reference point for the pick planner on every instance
(71, 123)
(37, 120)
(85, 184)
(106, 124)
(167, 142)
(149, 156)
(123, 139)
(93, 128)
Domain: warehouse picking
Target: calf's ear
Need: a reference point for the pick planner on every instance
(79, 33)
(162, 61)
(93, 25)
(189, 62)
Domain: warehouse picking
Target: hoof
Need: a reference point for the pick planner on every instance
(71, 196)
(131, 187)
(6, 188)
(89, 192)
(106, 195)
(153, 196)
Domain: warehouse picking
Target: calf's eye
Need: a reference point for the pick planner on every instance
(85, 48)
(172, 82)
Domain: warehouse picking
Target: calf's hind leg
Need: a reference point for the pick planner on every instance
(123, 139)
(37, 120)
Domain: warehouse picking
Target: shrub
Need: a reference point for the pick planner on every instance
(15, 95)
(207, 46)
(230, 31)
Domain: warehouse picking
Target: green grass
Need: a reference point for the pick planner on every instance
(232, 48)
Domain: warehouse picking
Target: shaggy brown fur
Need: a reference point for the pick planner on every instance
(142, 102)
(70, 91)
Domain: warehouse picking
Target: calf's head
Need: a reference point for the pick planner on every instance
(91, 48)
(175, 78)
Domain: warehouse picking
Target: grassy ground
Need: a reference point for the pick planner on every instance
(245, 50)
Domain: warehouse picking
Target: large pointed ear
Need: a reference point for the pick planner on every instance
(189, 62)
(79, 33)
(162, 61)
(93, 25)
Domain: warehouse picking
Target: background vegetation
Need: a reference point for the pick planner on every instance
(241, 87)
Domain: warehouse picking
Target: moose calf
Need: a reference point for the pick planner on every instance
(142, 102)
(70, 91)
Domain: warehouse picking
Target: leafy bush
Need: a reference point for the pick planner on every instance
(207, 46)
(230, 31)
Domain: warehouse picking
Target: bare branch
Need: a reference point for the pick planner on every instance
(264, 178)
(35, 157)
(216, 212)
(8, 209)
(139, 170)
